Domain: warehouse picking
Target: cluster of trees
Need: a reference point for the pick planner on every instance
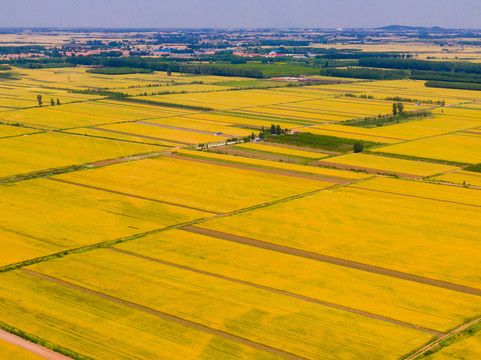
(52, 101)
(397, 108)
(445, 76)
(119, 71)
(364, 73)
(381, 120)
(453, 85)
(426, 65)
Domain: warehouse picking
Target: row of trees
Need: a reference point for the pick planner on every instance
(52, 101)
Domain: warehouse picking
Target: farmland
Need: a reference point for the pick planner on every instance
(183, 214)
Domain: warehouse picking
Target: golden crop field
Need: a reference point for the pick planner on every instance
(162, 133)
(430, 307)
(461, 177)
(349, 132)
(467, 347)
(12, 352)
(41, 216)
(9, 131)
(390, 165)
(102, 133)
(411, 234)
(291, 325)
(104, 329)
(451, 147)
(159, 230)
(178, 181)
(202, 125)
(281, 150)
(314, 170)
(223, 100)
(19, 155)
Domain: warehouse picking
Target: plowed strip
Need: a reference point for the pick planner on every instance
(331, 179)
(363, 168)
(285, 293)
(140, 136)
(334, 260)
(31, 347)
(129, 195)
(416, 196)
(167, 316)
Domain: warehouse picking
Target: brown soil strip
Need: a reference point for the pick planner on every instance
(256, 155)
(285, 293)
(320, 151)
(31, 347)
(183, 129)
(442, 338)
(416, 196)
(353, 133)
(140, 136)
(128, 158)
(266, 171)
(167, 316)
(333, 260)
(130, 195)
(369, 170)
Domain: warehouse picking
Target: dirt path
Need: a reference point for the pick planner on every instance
(442, 338)
(333, 260)
(128, 158)
(330, 179)
(130, 195)
(232, 151)
(167, 316)
(184, 129)
(139, 136)
(415, 196)
(362, 168)
(31, 347)
(284, 293)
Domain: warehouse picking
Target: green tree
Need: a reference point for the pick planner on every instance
(394, 109)
(400, 107)
(273, 129)
(58, 101)
(52, 103)
(358, 147)
(278, 130)
(39, 99)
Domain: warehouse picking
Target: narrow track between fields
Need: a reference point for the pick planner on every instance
(31, 347)
(129, 195)
(332, 260)
(284, 293)
(442, 338)
(167, 316)
(331, 179)
(414, 196)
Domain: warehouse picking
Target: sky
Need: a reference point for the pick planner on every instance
(239, 13)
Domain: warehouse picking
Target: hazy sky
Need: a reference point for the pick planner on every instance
(239, 13)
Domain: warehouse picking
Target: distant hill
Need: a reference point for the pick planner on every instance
(411, 28)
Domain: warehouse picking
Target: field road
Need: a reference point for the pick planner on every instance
(168, 317)
(324, 178)
(436, 342)
(31, 347)
(334, 260)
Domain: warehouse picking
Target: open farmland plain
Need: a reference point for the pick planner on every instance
(211, 217)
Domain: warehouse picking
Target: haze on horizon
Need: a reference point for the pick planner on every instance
(240, 14)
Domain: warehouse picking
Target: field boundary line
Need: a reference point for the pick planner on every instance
(332, 260)
(415, 196)
(31, 347)
(166, 316)
(284, 293)
(432, 344)
(129, 195)
(274, 171)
